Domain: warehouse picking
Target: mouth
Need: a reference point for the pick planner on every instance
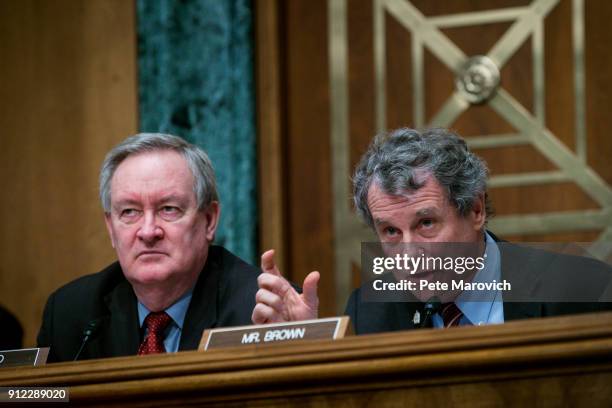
(414, 274)
(150, 253)
(427, 274)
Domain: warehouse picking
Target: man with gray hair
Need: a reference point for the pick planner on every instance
(170, 283)
(426, 189)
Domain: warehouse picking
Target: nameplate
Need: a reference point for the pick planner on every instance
(329, 328)
(23, 357)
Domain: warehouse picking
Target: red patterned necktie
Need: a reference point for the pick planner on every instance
(451, 314)
(156, 323)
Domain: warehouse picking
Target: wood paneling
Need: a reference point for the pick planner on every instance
(67, 94)
(527, 199)
(308, 148)
(598, 65)
(559, 73)
(435, 8)
(270, 128)
(399, 75)
(361, 78)
(309, 200)
(554, 361)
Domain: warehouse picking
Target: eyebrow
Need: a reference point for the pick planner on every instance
(174, 197)
(424, 212)
(379, 221)
(169, 198)
(126, 201)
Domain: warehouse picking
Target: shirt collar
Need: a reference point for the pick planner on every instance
(480, 310)
(177, 311)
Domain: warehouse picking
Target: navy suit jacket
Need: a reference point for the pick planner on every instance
(530, 269)
(224, 295)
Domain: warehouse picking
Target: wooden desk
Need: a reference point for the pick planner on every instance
(544, 362)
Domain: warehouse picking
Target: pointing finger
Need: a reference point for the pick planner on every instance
(269, 298)
(267, 263)
(273, 283)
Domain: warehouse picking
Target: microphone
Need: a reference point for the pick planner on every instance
(90, 330)
(431, 308)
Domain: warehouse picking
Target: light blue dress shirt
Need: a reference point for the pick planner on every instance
(177, 312)
(489, 311)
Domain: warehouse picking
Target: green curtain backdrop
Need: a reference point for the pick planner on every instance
(195, 67)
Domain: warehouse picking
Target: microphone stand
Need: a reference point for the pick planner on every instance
(90, 330)
(431, 307)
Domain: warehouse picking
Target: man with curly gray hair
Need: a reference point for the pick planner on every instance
(170, 283)
(405, 159)
(426, 189)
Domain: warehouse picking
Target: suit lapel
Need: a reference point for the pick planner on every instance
(122, 338)
(516, 267)
(202, 311)
(521, 310)
(123, 335)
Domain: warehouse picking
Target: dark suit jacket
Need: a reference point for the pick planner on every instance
(11, 336)
(531, 272)
(224, 295)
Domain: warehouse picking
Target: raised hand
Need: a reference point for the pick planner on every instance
(278, 301)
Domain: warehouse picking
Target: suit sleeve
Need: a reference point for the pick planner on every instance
(351, 310)
(45, 334)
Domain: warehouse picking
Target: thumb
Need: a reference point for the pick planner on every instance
(309, 290)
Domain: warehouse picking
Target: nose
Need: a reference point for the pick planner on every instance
(413, 246)
(149, 231)
(408, 238)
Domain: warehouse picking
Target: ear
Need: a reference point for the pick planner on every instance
(212, 214)
(479, 212)
(109, 226)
